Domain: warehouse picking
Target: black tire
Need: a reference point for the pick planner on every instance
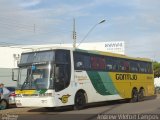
(50, 108)
(80, 101)
(135, 97)
(141, 94)
(4, 104)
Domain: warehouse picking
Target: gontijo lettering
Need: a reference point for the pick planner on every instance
(126, 77)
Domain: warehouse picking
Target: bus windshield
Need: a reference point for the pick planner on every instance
(45, 70)
(35, 77)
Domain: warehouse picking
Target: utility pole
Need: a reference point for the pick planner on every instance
(74, 34)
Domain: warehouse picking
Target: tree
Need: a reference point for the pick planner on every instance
(156, 68)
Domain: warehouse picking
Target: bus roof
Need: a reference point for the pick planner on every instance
(97, 52)
(36, 49)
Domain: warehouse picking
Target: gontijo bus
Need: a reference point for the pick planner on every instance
(65, 76)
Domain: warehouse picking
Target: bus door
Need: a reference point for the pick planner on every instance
(62, 78)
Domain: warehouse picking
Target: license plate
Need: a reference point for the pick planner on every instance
(18, 104)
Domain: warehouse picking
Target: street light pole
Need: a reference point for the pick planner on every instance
(90, 32)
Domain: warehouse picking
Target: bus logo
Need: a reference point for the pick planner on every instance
(64, 98)
(126, 77)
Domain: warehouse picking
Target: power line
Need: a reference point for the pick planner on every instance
(15, 24)
(12, 24)
(35, 29)
(14, 21)
(13, 30)
(30, 28)
(31, 36)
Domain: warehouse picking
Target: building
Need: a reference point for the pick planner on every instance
(10, 56)
(114, 47)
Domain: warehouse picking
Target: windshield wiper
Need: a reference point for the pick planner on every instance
(25, 83)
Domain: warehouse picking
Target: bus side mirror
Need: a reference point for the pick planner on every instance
(15, 74)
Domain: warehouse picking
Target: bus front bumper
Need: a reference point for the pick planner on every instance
(35, 102)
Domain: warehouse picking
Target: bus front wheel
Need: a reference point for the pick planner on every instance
(80, 101)
(50, 108)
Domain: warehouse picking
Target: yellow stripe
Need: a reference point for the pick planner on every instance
(25, 91)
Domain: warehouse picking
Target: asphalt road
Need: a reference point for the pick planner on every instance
(105, 110)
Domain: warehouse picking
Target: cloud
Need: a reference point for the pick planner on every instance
(50, 21)
(30, 3)
(17, 23)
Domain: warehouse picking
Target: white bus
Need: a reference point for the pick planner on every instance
(66, 76)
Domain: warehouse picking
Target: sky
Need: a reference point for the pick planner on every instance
(137, 22)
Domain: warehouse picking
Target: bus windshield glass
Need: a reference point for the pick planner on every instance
(35, 77)
(36, 57)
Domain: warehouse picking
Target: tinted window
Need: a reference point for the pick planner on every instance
(62, 56)
(145, 67)
(63, 69)
(43, 56)
(82, 61)
(134, 66)
(109, 64)
(86, 61)
(124, 65)
(97, 63)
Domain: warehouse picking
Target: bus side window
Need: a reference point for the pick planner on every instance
(121, 65)
(145, 67)
(102, 63)
(149, 67)
(78, 59)
(134, 66)
(109, 64)
(115, 65)
(94, 63)
(126, 66)
(81, 61)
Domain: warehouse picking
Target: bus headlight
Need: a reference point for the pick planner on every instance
(18, 95)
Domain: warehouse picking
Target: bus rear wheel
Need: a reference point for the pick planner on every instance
(80, 101)
(141, 94)
(135, 97)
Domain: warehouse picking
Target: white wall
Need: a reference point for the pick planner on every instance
(6, 77)
(9, 57)
(157, 82)
(114, 47)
